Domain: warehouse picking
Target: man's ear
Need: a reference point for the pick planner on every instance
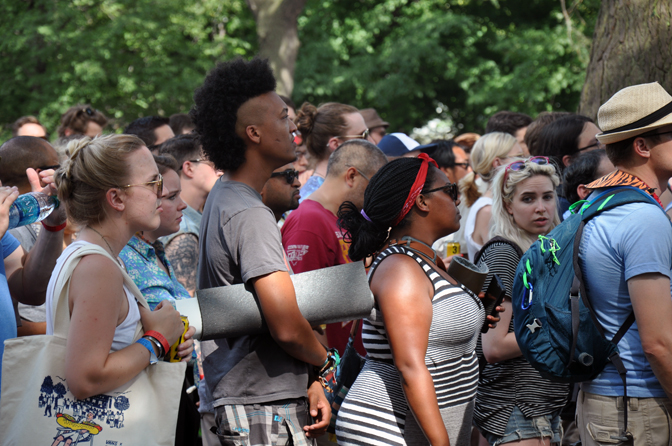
(68, 131)
(350, 175)
(253, 134)
(187, 169)
(115, 198)
(582, 191)
(449, 173)
(641, 148)
(567, 160)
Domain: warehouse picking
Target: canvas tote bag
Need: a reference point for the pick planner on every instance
(36, 407)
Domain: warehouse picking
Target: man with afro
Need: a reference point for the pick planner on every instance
(257, 384)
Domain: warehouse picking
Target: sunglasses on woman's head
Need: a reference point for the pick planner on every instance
(449, 189)
(520, 165)
(289, 174)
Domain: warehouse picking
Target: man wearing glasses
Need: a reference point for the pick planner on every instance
(626, 259)
(311, 236)
(281, 191)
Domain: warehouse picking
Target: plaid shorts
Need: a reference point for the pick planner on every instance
(280, 424)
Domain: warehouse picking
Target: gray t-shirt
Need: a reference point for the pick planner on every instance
(240, 241)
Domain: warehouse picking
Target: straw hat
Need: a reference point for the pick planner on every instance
(633, 111)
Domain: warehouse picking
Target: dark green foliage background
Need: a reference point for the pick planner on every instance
(411, 60)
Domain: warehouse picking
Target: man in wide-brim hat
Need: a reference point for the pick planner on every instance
(626, 258)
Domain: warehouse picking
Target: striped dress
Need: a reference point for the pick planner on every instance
(375, 411)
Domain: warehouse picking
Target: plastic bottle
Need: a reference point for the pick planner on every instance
(30, 208)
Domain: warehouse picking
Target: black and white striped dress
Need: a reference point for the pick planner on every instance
(375, 411)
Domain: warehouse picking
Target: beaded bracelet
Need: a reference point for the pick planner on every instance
(159, 337)
(329, 366)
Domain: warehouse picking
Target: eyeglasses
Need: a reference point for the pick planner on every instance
(462, 165)
(520, 165)
(289, 174)
(597, 144)
(449, 189)
(298, 137)
(156, 184)
(55, 166)
(360, 172)
(364, 135)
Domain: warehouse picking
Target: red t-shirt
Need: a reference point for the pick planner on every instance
(313, 240)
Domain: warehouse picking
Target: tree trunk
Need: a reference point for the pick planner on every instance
(631, 45)
(278, 37)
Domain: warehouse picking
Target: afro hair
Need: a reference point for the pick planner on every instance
(228, 86)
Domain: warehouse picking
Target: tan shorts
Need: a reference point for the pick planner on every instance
(600, 418)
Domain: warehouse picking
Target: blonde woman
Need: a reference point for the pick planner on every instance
(112, 188)
(490, 151)
(514, 403)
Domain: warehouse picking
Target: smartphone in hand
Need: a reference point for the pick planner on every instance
(493, 298)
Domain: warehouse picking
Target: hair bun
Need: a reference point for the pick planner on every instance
(305, 118)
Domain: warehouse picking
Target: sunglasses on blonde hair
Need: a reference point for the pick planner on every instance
(520, 165)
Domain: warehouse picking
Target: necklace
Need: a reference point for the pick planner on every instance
(410, 241)
(101, 236)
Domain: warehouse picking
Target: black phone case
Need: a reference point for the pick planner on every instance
(493, 298)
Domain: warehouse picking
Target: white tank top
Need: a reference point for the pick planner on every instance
(124, 333)
(470, 225)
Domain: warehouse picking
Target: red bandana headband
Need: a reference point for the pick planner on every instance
(416, 188)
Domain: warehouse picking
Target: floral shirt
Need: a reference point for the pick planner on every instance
(139, 258)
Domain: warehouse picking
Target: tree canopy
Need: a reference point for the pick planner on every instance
(458, 59)
(412, 60)
(128, 58)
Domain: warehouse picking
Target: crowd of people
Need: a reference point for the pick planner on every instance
(249, 189)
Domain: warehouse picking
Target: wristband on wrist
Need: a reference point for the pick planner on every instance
(148, 345)
(159, 337)
(329, 367)
(55, 228)
(158, 345)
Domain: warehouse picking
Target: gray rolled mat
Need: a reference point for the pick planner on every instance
(336, 294)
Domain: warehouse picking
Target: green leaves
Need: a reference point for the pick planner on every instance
(129, 58)
(404, 58)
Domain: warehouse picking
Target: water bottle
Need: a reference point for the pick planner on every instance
(31, 208)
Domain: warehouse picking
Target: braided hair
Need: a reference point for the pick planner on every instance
(384, 199)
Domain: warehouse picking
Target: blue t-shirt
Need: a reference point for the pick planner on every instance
(7, 317)
(616, 246)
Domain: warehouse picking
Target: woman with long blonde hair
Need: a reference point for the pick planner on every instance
(490, 151)
(514, 403)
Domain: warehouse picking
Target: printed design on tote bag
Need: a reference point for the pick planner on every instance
(79, 421)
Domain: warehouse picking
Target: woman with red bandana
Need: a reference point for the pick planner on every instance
(419, 382)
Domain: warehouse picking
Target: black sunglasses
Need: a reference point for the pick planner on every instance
(462, 165)
(289, 174)
(449, 189)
